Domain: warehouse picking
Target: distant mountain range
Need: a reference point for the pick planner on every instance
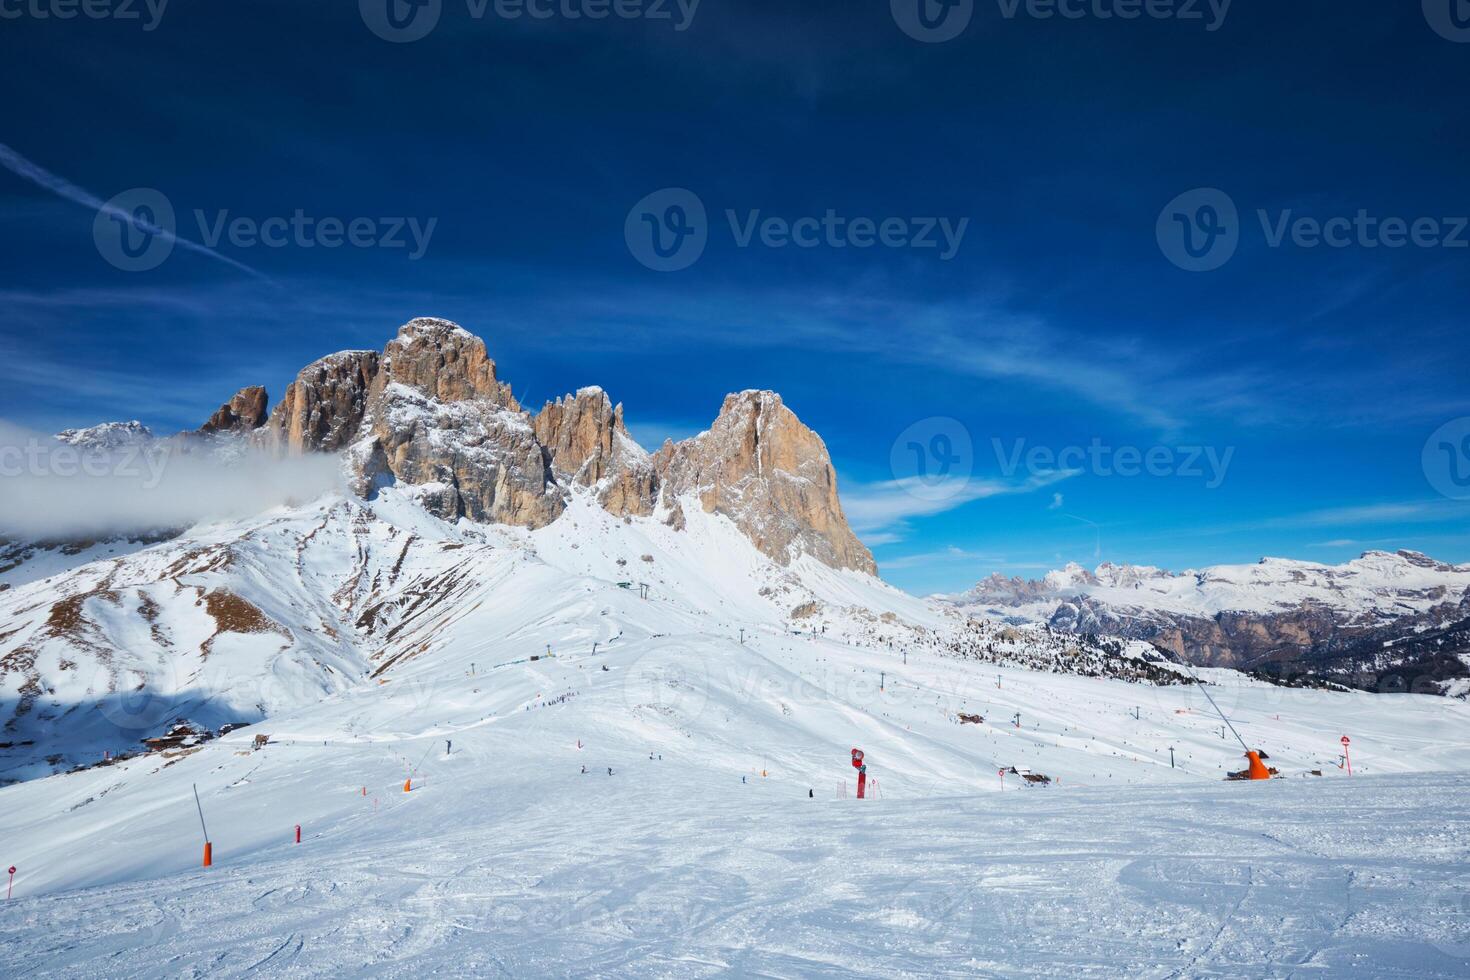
(1386, 621)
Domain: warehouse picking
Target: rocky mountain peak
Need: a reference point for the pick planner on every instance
(444, 361)
(430, 411)
(322, 409)
(584, 435)
(243, 413)
(760, 466)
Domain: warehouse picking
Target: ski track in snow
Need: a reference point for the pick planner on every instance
(653, 875)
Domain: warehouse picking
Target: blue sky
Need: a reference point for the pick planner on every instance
(1312, 375)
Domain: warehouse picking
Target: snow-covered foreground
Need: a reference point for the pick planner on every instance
(505, 859)
(700, 852)
(645, 873)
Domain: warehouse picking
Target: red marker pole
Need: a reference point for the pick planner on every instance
(298, 833)
(11, 884)
(857, 763)
(1347, 758)
(1002, 774)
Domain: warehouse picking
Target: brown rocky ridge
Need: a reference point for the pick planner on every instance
(431, 412)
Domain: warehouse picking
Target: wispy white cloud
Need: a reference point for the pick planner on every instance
(1056, 502)
(888, 506)
(54, 490)
(876, 539)
(1406, 512)
(947, 555)
(1434, 511)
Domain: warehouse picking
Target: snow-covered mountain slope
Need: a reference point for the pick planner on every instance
(1376, 584)
(706, 690)
(107, 436)
(232, 622)
(1354, 623)
(491, 666)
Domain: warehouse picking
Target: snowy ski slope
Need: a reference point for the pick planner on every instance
(701, 852)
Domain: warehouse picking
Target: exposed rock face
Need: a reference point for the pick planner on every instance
(770, 474)
(445, 362)
(323, 408)
(581, 433)
(431, 412)
(588, 445)
(242, 414)
(437, 415)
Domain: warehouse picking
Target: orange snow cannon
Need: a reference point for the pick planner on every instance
(1258, 768)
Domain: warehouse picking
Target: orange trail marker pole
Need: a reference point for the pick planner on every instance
(408, 784)
(208, 848)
